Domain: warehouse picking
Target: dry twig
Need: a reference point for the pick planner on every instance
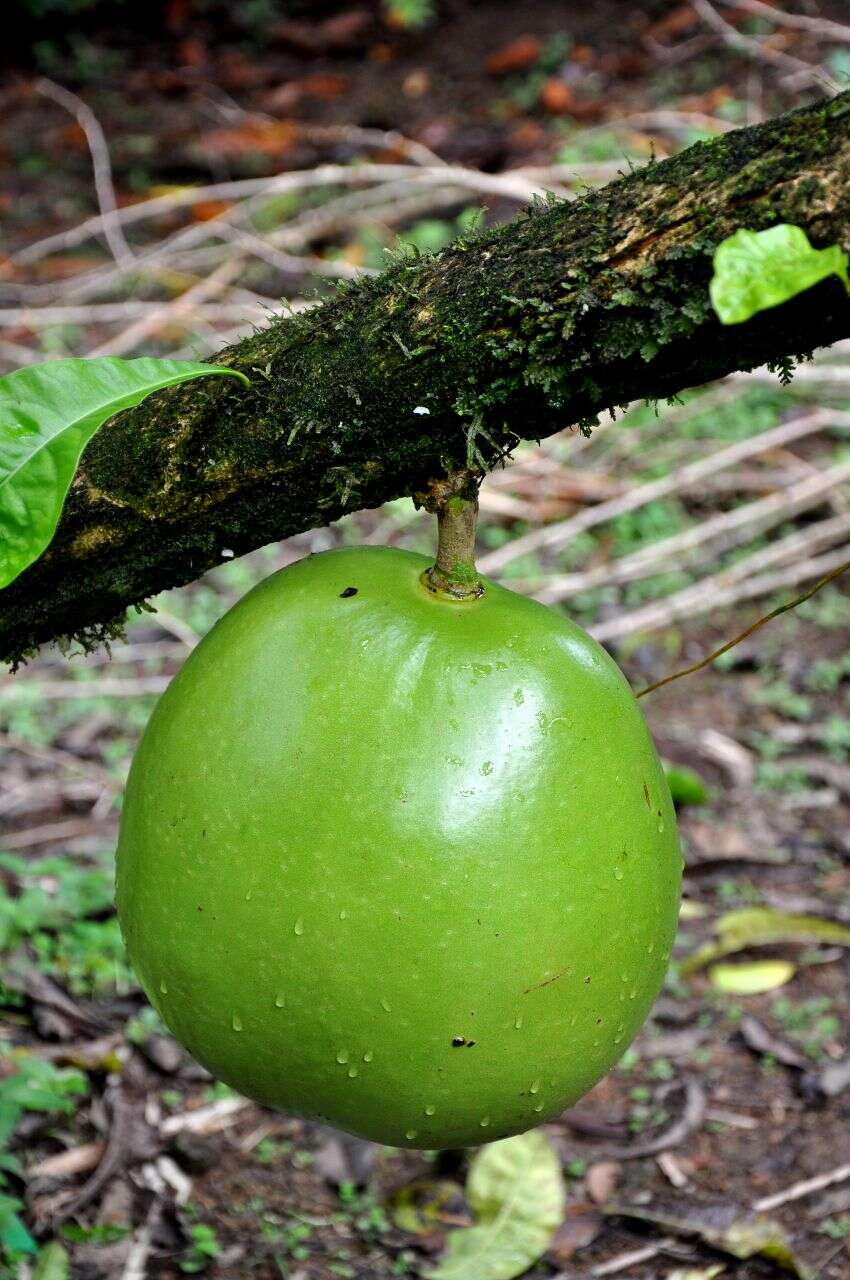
(761, 51)
(110, 221)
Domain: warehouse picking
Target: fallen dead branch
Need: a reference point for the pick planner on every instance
(805, 1188)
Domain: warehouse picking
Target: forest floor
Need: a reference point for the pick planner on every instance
(115, 1145)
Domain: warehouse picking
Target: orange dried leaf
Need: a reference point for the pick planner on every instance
(519, 55)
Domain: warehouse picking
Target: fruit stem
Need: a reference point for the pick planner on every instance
(454, 500)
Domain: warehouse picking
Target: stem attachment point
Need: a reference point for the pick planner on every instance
(454, 501)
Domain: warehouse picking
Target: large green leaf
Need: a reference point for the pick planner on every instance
(516, 1190)
(48, 414)
(754, 270)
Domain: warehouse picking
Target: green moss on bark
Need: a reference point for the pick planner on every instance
(514, 333)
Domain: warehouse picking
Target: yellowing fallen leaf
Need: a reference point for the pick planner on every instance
(516, 1190)
(752, 978)
(760, 927)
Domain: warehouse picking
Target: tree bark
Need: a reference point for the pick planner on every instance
(441, 361)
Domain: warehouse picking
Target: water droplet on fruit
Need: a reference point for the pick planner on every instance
(660, 824)
(484, 1122)
(163, 986)
(410, 1135)
(430, 1109)
(249, 895)
(280, 1000)
(539, 1107)
(342, 1056)
(650, 948)
(617, 1039)
(618, 873)
(385, 1004)
(236, 1022)
(343, 915)
(368, 1055)
(352, 1073)
(299, 927)
(633, 993)
(535, 1086)
(518, 1022)
(487, 768)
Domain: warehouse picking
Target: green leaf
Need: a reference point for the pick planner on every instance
(761, 927)
(52, 1263)
(48, 414)
(686, 785)
(516, 1190)
(754, 270)
(14, 1237)
(752, 978)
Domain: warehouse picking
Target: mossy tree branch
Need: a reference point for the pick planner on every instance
(518, 332)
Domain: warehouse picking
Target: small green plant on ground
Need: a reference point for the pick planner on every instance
(64, 911)
(204, 1248)
(31, 1086)
(835, 1228)
(811, 1023)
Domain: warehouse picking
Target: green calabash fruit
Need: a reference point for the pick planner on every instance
(403, 863)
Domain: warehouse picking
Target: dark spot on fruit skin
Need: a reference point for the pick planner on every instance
(548, 981)
(470, 1043)
(646, 796)
(587, 979)
(348, 593)
(458, 1041)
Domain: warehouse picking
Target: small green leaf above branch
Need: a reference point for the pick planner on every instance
(755, 270)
